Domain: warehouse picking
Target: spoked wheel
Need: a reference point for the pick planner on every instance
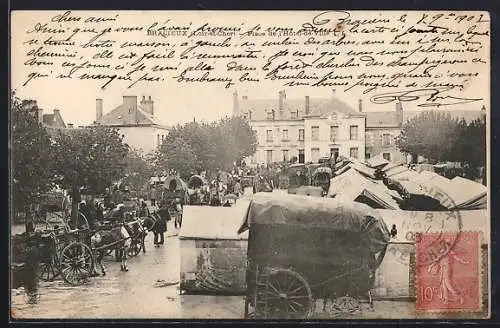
(135, 248)
(77, 263)
(48, 269)
(81, 222)
(288, 295)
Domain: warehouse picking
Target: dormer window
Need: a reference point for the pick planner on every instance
(270, 115)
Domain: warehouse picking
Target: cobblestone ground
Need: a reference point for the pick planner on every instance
(149, 290)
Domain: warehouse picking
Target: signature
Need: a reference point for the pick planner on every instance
(326, 17)
(433, 97)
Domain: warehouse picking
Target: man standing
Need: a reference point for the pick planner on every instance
(161, 224)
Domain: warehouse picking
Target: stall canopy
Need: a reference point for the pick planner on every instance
(181, 185)
(352, 186)
(220, 223)
(464, 193)
(377, 162)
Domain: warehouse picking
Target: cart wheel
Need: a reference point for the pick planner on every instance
(48, 270)
(135, 248)
(288, 295)
(77, 263)
(81, 222)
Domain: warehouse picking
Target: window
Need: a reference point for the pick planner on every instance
(334, 130)
(333, 116)
(301, 155)
(269, 156)
(285, 155)
(368, 155)
(353, 152)
(270, 115)
(387, 156)
(334, 153)
(354, 132)
(285, 135)
(386, 139)
(269, 135)
(301, 134)
(314, 154)
(315, 132)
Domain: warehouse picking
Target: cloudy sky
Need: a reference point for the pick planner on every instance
(174, 103)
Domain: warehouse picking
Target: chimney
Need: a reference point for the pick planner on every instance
(307, 105)
(147, 105)
(70, 125)
(244, 97)
(98, 109)
(56, 111)
(281, 102)
(130, 103)
(399, 113)
(235, 103)
(333, 92)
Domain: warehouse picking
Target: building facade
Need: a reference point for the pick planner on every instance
(136, 121)
(306, 129)
(383, 127)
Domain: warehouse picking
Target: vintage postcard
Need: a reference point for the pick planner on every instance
(250, 165)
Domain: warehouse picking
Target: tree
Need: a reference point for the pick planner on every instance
(176, 153)
(30, 154)
(92, 157)
(139, 169)
(431, 134)
(208, 146)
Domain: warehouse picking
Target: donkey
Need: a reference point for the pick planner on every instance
(117, 238)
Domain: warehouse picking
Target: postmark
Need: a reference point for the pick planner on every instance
(451, 283)
(443, 232)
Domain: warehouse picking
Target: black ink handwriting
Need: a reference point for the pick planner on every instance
(431, 95)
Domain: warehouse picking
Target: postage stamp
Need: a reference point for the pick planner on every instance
(450, 283)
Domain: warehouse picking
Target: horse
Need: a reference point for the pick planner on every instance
(117, 238)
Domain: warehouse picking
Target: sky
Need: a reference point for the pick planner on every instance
(173, 103)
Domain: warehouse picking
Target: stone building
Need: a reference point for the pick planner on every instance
(136, 121)
(307, 128)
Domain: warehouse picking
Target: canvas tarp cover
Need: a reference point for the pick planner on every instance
(351, 185)
(377, 162)
(465, 194)
(181, 185)
(327, 214)
(214, 223)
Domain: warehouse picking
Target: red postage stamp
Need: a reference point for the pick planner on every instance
(449, 277)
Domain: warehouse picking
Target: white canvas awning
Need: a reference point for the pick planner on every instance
(351, 185)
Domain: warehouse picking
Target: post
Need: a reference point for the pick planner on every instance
(75, 200)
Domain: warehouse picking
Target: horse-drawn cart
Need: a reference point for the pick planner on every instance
(59, 253)
(301, 249)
